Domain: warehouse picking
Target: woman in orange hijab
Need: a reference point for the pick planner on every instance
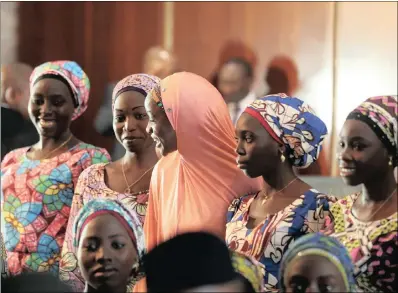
(197, 177)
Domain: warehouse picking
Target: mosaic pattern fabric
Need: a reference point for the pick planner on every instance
(292, 122)
(36, 197)
(91, 185)
(373, 246)
(271, 238)
(74, 76)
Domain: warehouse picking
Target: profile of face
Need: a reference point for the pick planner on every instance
(362, 156)
(160, 128)
(51, 107)
(313, 273)
(130, 121)
(106, 254)
(258, 153)
(233, 82)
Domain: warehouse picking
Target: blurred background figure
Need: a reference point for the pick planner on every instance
(159, 62)
(34, 283)
(16, 128)
(235, 80)
(282, 76)
(195, 262)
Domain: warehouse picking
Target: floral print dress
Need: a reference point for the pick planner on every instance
(373, 246)
(92, 185)
(269, 240)
(36, 198)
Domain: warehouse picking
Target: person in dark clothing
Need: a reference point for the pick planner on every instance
(16, 128)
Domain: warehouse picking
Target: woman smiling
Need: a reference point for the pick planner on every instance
(38, 182)
(127, 179)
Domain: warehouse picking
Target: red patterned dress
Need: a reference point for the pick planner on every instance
(92, 185)
(36, 198)
(373, 246)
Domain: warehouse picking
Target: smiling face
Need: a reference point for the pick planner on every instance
(362, 156)
(258, 153)
(313, 273)
(130, 121)
(160, 128)
(106, 254)
(51, 107)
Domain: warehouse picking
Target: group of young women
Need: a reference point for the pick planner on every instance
(67, 209)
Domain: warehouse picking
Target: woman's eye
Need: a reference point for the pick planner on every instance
(298, 288)
(91, 246)
(358, 146)
(141, 116)
(248, 139)
(37, 101)
(58, 102)
(119, 118)
(117, 245)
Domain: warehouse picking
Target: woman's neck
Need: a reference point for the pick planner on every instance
(144, 159)
(49, 143)
(279, 179)
(379, 190)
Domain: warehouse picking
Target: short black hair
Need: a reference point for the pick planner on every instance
(244, 63)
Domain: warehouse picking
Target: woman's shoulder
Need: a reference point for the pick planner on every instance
(93, 170)
(241, 202)
(14, 156)
(95, 154)
(319, 196)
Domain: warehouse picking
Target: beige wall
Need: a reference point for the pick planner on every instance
(9, 37)
(366, 63)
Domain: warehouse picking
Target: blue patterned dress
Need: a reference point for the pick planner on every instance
(268, 241)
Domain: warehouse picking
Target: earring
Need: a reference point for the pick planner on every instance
(282, 158)
(390, 161)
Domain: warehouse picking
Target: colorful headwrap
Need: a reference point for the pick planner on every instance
(75, 78)
(249, 269)
(157, 96)
(142, 83)
(291, 122)
(328, 247)
(381, 114)
(128, 219)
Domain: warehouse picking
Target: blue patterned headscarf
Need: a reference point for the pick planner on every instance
(291, 122)
(328, 247)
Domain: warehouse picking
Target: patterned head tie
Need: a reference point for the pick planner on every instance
(72, 75)
(127, 219)
(325, 246)
(142, 83)
(157, 96)
(293, 123)
(381, 114)
(250, 269)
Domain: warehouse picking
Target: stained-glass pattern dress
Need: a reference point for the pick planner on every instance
(36, 198)
(373, 246)
(91, 185)
(269, 240)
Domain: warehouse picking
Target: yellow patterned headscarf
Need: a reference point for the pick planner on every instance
(249, 268)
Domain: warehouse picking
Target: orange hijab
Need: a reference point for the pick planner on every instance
(191, 188)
